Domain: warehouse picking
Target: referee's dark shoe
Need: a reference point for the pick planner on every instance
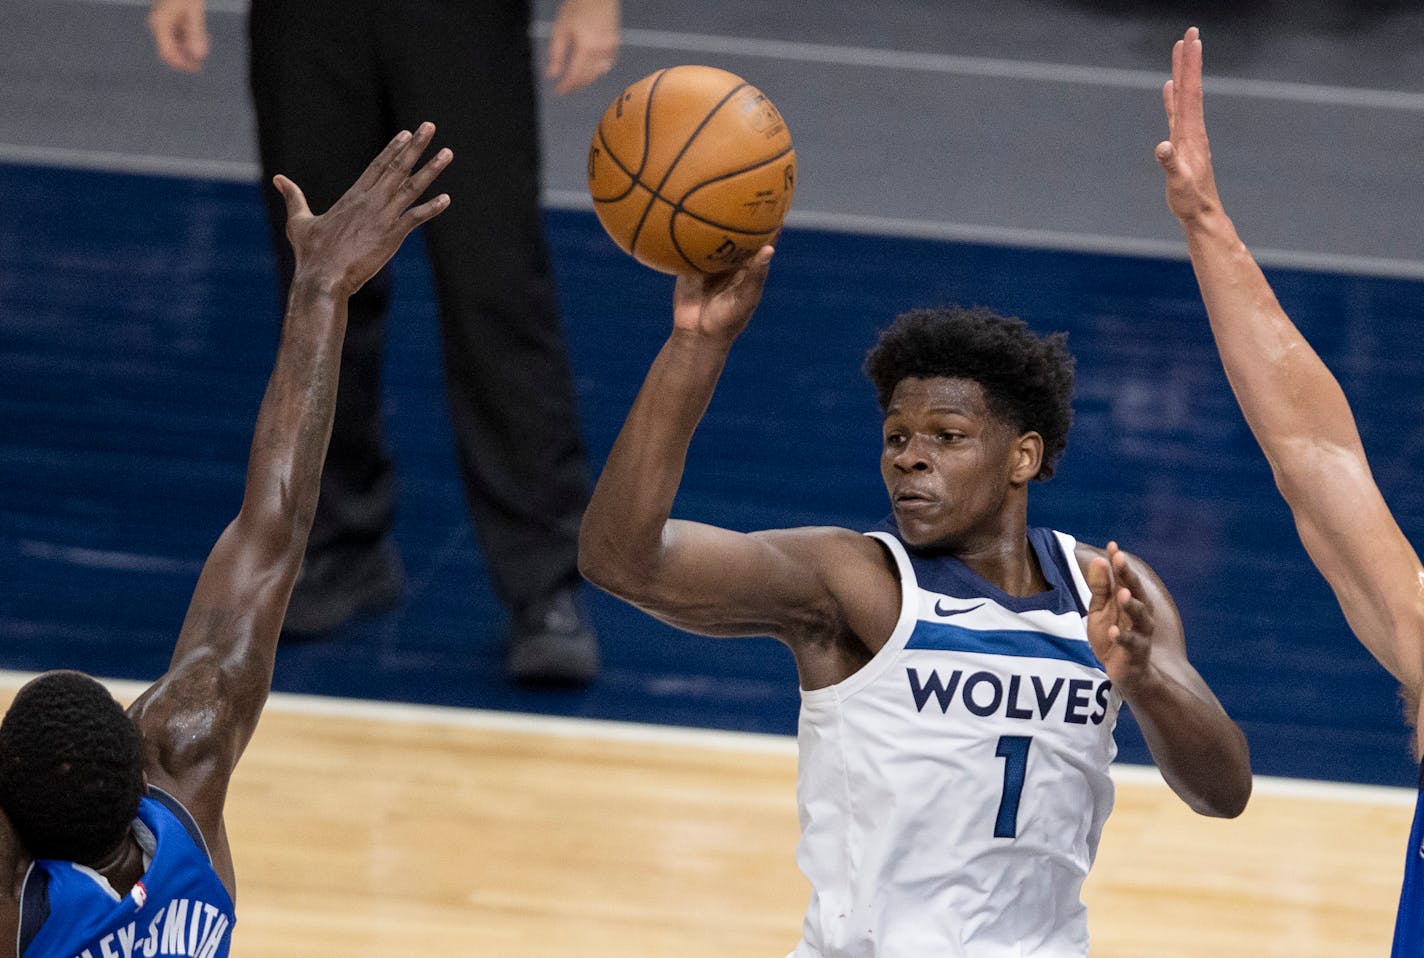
(551, 643)
(337, 585)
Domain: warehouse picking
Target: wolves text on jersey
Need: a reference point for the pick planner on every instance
(1075, 701)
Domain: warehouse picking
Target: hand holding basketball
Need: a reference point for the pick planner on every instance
(691, 170)
(720, 306)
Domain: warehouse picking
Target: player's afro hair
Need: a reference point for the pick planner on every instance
(1027, 378)
(71, 768)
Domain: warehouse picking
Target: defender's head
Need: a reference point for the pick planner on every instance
(71, 768)
(975, 404)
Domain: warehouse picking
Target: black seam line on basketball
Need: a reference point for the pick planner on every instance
(633, 244)
(643, 162)
(632, 177)
(672, 235)
(678, 207)
(672, 238)
(648, 122)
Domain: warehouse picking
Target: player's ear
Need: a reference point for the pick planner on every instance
(1027, 457)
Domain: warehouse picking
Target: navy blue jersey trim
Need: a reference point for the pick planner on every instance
(944, 573)
(1049, 544)
(34, 908)
(185, 819)
(944, 637)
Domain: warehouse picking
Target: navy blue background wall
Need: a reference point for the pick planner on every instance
(137, 325)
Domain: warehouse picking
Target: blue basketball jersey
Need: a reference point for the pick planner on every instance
(1409, 926)
(178, 907)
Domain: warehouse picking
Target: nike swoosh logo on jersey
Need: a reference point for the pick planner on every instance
(941, 611)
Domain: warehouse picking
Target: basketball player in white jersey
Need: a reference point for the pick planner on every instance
(961, 673)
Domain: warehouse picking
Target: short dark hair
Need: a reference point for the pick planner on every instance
(1027, 378)
(71, 768)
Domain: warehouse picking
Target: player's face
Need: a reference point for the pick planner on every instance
(948, 464)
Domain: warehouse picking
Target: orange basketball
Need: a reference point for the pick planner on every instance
(691, 170)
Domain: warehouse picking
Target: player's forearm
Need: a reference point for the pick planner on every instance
(621, 538)
(1201, 753)
(294, 421)
(1285, 391)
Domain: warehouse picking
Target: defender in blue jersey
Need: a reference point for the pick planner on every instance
(1301, 418)
(960, 672)
(112, 842)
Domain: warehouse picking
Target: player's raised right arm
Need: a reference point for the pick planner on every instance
(1294, 406)
(197, 719)
(693, 576)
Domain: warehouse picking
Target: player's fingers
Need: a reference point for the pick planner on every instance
(760, 264)
(418, 182)
(1125, 574)
(1099, 583)
(1191, 85)
(1166, 155)
(748, 281)
(425, 212)
(1138, 612)
(293, 196)
(374, 170)
(405, 158)
(1169, 105)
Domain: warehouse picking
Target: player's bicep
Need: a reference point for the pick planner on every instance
(718, 582)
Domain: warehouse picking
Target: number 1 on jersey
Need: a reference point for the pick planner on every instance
(1013, 749)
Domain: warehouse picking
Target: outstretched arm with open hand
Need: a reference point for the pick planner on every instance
(197, 719)
(1294, 406)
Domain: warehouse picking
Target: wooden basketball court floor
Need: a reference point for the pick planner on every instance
(375, 829)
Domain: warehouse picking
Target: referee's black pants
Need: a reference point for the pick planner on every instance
(332, 81)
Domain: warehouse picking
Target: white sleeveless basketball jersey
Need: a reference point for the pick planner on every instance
(952, 791)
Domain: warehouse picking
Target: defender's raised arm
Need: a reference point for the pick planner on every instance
(197, 719)
(1294, 406)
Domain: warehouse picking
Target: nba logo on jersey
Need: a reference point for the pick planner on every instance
(140, 894)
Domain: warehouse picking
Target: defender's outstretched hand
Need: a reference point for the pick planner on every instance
(345, 246)
(1185, 156)
(1120, 622)
(720, 306)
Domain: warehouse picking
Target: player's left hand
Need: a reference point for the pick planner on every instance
(1120, 623)
(584, 43)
